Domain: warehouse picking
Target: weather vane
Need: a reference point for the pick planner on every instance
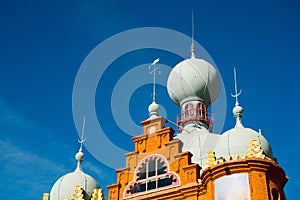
(82, 140)
(236, 89)
(153, 70)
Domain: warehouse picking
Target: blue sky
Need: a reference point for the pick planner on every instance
(44, 43)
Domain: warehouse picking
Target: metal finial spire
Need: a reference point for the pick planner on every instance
(82, 139)
(80, 155)
(236, 89)
(153, 70)
(193, 44)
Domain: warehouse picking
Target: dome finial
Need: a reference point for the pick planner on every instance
(237, 94)
(237, 110)
(80, 155)
(154, 107)
(193, 51)
(82, 139)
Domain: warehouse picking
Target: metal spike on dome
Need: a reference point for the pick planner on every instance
(193, 51)
(237, 94)
(80, 155)
(82, 139)
(237, 110)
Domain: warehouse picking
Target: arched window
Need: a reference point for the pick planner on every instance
(186, 110)
(191, 109)
(275, 194)
(198, 110)
(151, 174)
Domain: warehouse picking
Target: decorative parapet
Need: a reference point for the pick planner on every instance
(210, 159)
(230, 158)
(255, 150)
(78, 193)
(45, 196)
(98, 194)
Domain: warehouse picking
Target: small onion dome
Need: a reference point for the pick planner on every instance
(79, 156)
(238, 111)
(153, 109)
(192, 80)
(236, 140)
(64, 186)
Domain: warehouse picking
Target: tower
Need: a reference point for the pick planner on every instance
(241, 165)
(193, 85)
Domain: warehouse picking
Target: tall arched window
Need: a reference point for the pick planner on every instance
(198, 111)
(275, 194)
(186, 110)
(151, 174)
(191, 109)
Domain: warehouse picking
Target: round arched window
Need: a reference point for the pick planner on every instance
(151, 174)
(275, 194)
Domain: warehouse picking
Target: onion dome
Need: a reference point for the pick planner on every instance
(153, 109)
(193, 80)
(236, 140)
(64, 186)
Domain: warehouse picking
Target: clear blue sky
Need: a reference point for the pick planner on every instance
(43, 44)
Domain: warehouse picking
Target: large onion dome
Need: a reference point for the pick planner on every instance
(193, 80)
